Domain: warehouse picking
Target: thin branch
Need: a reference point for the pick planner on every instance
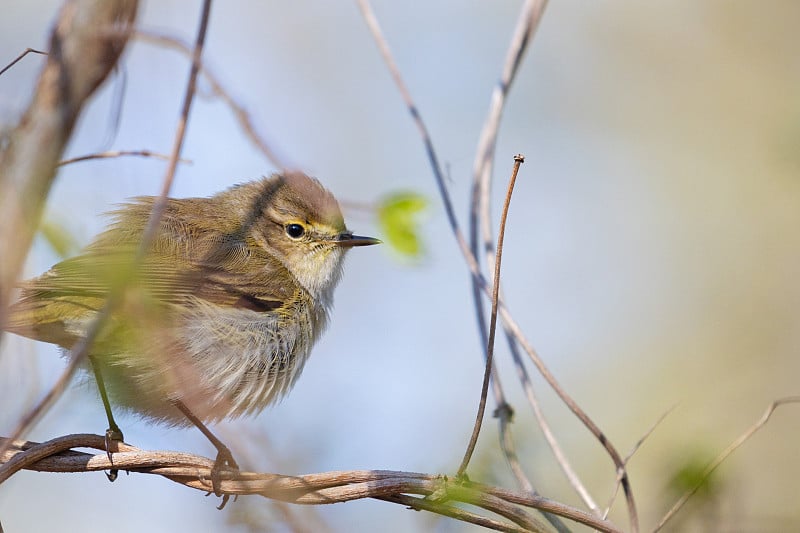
(544, 425)
(744, 437)
(160, 203)
(386, 54)
(421, 504)
(240, 113)
(19, 58)
(516, 332)
(528, 21)
(630, 455)
(80, 59)
(547, 506)
(518, 160)
(119, 153)
(469, 257)
(310, 489)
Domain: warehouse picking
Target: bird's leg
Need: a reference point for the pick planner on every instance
(113, 433)
(224, 456)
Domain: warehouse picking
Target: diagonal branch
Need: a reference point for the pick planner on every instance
(242, 116)
(19, 58)
(469, 257)
(744, 437)
(79, 60)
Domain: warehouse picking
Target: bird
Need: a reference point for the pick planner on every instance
(218, 318)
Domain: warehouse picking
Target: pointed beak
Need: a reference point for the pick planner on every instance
(348, 240)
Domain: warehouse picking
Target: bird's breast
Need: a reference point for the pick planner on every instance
(246, 359)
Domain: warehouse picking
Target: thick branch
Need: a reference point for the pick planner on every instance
(82, 53)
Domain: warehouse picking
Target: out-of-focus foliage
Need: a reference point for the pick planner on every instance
(690, 475)
(398, 216)
(59, 239)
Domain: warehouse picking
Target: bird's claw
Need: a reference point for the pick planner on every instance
(224, 463)
(113, 437)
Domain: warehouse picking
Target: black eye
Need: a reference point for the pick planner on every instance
(295, 231)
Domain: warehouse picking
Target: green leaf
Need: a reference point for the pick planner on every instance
(398, 216)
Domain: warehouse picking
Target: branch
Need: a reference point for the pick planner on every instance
(241, 114)
(19, 58)
(80, 58)
(118, 153)
(630, 455)
(194, 471)
(469, 257)
(724, 455)
(528, 21)
(487, 374)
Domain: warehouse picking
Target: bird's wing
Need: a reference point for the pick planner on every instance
(185, 263)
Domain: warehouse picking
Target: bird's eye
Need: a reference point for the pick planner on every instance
(295, 231)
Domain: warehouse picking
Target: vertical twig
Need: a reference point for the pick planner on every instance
(180, 134)
(532, 12)
(530, 16)
(518, 160)
(528, 20)
(471, 260)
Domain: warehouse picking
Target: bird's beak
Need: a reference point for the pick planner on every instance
(348, 240)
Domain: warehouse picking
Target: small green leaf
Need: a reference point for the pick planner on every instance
(398, 216)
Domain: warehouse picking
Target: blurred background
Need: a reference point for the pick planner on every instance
(652, 253)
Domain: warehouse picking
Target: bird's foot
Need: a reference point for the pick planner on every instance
(113, 437)
(224, 463)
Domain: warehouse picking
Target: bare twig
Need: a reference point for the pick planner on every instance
(241, 114)
(518, 160)
(19, 58)
(160, 203)
(80, 59)
(630, 455)
(118, 153)
(724, 455)
(469, 257)
(311, 489)
(386, 54)
(516, 332)
(422, 504)
(544, 425)
(528, 20)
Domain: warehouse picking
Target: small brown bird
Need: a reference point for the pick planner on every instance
(221, 315)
